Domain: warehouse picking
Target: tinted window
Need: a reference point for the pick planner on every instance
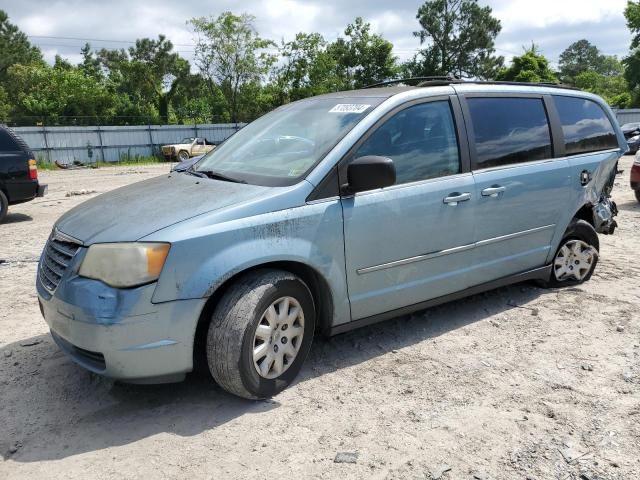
(7, 143)
(421, 140)
(585, 126)
(509, 130)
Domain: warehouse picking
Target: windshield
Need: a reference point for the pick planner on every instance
(187, 140)
(282, 146)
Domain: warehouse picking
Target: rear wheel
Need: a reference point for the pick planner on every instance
(576, 257)
(4, 206)
(260, 334)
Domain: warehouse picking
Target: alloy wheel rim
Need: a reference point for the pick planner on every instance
(573, 261)
(278, 337)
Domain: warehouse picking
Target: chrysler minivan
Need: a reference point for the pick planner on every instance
(329, 214)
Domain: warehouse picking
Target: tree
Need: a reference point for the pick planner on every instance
(47, 92)
(230, 54)
(632, 61)
(363, 58)
(306, 69)
(15, 47)
(531, 66)
(460, 37)
(613, 89)
(582, 56)
(578, 57)
(150, 72)
(90, 65)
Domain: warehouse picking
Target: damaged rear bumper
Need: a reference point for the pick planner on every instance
(603, 216)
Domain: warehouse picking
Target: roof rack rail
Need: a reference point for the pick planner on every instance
(440, 79)
(435, 81)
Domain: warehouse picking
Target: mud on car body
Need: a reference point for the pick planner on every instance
(328, 214)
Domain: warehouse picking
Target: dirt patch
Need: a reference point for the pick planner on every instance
(515, 383)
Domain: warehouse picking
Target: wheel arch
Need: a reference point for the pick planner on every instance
(317, 284)
(585, 212)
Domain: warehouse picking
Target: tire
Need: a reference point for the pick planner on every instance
(233, 335)
(637, 192)
(580, 243)
(183, 155)
(4, 206)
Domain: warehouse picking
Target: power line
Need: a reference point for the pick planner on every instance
(101, 40)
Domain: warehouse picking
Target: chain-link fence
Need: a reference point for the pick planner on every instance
(114, 143)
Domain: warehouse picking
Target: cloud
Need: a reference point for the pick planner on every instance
(551, 24)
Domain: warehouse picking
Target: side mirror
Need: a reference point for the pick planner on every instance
(369, 173)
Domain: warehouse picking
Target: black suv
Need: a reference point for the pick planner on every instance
(18, 172)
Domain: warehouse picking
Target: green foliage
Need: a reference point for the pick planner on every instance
(150, 72)
(613, 89)
(362, 58)
(460, 37)
(230, 55)
(5, 106)
(632, 61)
(306, 69)
(531, 66)
(240, 78)
(582, 56)
(15, 48)
(48, 92)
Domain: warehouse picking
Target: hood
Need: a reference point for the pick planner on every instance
(132, 212)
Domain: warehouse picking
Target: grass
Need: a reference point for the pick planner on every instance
(123, 162)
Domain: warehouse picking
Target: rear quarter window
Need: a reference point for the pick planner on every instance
(585, 126)
(7, 142)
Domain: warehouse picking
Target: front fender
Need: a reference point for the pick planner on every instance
(311, 235)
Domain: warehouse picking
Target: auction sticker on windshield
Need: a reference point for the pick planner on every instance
(349, 108)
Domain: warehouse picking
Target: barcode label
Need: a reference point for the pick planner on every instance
(349, 108)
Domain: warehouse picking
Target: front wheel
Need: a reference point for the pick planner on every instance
(183, 155)
(576, 257)
(260, 334)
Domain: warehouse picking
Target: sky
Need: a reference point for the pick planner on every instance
(551, 24)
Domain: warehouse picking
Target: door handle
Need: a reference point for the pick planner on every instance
(493, 191)
(454, 198)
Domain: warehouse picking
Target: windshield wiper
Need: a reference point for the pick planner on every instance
(219, 176)
(195, 173)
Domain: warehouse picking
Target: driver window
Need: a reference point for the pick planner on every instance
(200, 142)
(421, 140)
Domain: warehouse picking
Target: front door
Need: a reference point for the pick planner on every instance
(412, 241)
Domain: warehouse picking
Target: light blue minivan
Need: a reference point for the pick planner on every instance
(328, 214)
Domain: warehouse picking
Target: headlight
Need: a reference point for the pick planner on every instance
(123, 265)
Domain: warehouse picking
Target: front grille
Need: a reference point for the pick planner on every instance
(55, 260)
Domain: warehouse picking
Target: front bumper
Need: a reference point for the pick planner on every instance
(119, 333)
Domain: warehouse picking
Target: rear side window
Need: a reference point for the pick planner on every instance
(7, 143)
(585, 126)
(509, 130)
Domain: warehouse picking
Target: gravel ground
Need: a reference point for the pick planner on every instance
(519, 382)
